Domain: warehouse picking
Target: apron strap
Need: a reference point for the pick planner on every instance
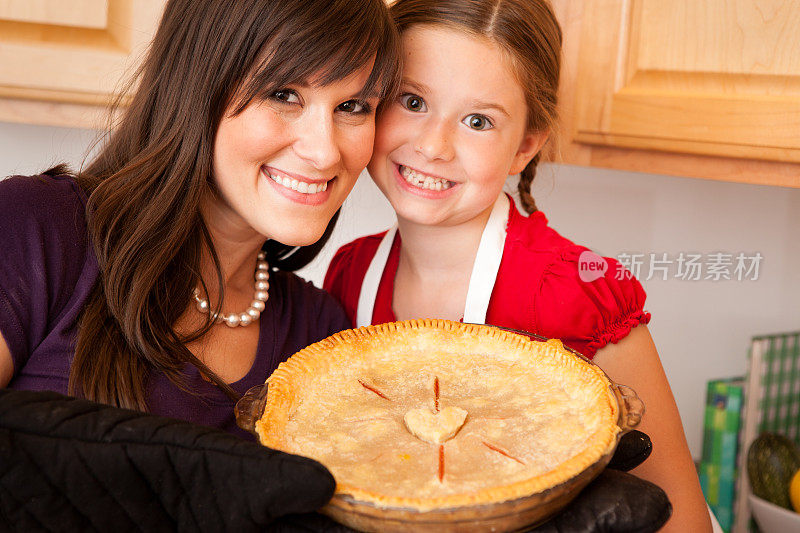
(372, 279)
(487, 262)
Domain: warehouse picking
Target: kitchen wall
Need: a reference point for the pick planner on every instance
(28, 149)
(701, 328)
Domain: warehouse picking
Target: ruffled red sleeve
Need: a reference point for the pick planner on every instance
(586, 308)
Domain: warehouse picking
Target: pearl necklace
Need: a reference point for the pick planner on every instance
(258, 304)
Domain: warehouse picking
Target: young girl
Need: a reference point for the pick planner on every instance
(477, 103)
(159, 278)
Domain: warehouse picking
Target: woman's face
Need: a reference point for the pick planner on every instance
(444, 149)
(285, 164)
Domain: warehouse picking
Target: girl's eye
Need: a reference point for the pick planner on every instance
(412, 102)
(355, 107)
(286, 95)
(478, 122)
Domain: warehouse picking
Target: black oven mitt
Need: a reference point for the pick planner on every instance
(614, 501)
(74, 465)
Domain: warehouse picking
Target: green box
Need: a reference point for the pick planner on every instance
(718, 473)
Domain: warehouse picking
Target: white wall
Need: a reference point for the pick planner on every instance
(701, 328)
(27, 149)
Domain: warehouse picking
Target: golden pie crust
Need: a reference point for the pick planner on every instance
(433, 414)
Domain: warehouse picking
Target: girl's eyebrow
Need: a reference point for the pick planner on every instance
(419, 87)
(477, 104)
(480, 104)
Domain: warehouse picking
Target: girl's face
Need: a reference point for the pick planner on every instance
(285, 164)
(444, 149)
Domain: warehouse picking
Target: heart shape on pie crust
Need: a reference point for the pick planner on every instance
(435, 427)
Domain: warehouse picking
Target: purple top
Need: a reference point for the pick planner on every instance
(48, 269)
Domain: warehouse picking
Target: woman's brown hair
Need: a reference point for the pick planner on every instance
(531, 36)
(146, 184)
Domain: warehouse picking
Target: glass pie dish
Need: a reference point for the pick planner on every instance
(434, 425)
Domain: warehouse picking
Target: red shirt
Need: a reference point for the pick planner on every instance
(538, 287)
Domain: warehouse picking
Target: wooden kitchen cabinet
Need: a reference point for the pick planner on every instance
(62, 63)
(706, 89)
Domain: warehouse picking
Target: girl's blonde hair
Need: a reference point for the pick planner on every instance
(530, 34)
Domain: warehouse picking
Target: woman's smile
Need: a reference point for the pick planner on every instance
(298, 188)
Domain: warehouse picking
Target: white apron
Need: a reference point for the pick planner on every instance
(481, 281)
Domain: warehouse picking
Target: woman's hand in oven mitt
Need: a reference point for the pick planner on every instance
(616, 500)
(73, 465)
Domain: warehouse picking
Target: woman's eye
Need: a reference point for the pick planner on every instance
(286, 95)
(355, 107)
(478, 122)
(413, 102)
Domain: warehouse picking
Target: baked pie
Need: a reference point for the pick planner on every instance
(431, 415)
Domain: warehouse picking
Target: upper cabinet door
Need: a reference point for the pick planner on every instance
(71, 57)
(714, 78)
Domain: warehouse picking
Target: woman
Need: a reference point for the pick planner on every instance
(159, 277)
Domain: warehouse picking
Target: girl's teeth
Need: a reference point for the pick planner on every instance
(423, 181)
(299, 186)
